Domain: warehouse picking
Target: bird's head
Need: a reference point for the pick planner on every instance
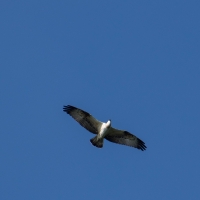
(109, 122)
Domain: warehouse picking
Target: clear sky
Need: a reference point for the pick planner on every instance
(134, 62)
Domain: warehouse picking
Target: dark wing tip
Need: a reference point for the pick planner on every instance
(68, 109)
(141, 145)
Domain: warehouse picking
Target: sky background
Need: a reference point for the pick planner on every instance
(134, 62)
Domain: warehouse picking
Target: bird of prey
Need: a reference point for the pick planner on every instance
(103, 130)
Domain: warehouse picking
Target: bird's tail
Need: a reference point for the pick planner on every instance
(97, 142)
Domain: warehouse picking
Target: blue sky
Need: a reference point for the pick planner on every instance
(134, 62)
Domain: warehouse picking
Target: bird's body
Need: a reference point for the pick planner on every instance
(103, 130)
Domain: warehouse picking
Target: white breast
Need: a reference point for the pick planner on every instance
(103, 130)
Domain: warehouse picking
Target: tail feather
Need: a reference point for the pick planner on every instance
(97, 142)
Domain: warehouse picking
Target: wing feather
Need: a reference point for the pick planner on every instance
(125, 138)
(83, 118)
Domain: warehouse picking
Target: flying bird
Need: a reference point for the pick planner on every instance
(103, 130)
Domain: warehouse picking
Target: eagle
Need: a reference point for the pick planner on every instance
(103, 130)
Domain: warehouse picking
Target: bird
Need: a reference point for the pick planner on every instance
(103, 130)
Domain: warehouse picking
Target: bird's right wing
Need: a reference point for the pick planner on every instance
(83, 118)
(125, 138)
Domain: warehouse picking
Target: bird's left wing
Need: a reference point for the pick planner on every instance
(125, 138)
(83, 118)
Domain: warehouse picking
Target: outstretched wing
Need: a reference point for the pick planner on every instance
(83, 118)
(125, 138)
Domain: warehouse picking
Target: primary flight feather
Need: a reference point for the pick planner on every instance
(103, 130)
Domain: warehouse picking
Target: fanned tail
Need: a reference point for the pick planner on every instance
(97, 142)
